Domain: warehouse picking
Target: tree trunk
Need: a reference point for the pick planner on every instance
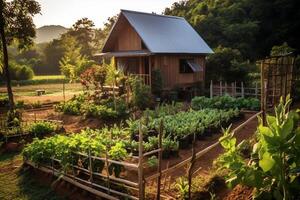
(5, 58)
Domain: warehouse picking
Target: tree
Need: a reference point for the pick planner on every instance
(73, 63)
(102, 34)
(281, 49)
(83, 32)
(16, 24)
(53, 53)
(226, 64)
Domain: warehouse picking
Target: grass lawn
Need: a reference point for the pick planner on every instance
(48, 77)
(17, 184)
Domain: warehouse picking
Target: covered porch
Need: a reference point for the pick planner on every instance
(133, 63)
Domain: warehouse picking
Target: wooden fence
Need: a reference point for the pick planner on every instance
(134, 189)
(234, 89)
(90, 182)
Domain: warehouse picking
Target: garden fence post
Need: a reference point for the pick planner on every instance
(226, 88)
(256, 90)
(235, 92)
(211, 89)
(243, 89)
(107, 171)
(232, 89)
(191, 166)
(64, 94)
(140, 168)
(90, 166)
(221, 88)
(159, 159)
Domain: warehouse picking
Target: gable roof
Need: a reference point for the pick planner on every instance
(164, 34)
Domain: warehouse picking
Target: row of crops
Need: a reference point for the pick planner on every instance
(122, 142)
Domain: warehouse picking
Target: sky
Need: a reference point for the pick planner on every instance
(67, 12)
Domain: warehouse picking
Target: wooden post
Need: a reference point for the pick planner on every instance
(243, 89)
(107, 171)
(263, 92)
(226, 88)
(211, 89)
(190, 173)
(232, 89)
(140, 169)
(256, 90)
(221, 88)
(150, 71)
(235, 92)
(90, 166)
(64, 94)
(159, 159)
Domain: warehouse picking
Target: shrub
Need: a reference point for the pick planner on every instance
(24, 73)
(225, 102)
(72, 106)
(41, 128)
(156, 82)
(141, 93)
(4, 101)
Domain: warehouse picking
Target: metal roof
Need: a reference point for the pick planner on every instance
(166, 34)
(125, 53)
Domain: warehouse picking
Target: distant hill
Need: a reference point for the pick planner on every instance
(48, 33)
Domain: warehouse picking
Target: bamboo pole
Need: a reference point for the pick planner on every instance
(140, 165)
(159, 167)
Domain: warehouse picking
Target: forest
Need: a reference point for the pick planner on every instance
(240, 32)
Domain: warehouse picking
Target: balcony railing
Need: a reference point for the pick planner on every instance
(146, 79)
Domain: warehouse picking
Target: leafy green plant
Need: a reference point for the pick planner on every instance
(182, 187)
(141, 93)
(157, 82)
(273, 169)
(41, 128)
(225, 102)
(117, 152)
(4, 101)
(152, 161)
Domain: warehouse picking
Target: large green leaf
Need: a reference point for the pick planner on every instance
(267, 162)
(287, 128)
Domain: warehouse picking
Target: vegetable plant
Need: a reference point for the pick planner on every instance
(274, 167)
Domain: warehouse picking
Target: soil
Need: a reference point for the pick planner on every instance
(239, 193)
(71, 123)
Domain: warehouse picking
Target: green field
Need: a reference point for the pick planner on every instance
(52, 84)
(37, 80)
(48, 77)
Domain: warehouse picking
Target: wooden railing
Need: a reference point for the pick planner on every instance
(146, 79)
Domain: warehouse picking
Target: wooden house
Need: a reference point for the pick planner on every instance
(142, 42)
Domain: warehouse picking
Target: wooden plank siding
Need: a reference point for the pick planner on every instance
(169, 66)
(128, 39)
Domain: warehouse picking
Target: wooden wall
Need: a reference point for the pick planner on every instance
(169, 66)
(128, 39)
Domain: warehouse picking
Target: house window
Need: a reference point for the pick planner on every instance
(184, 67)
(187, 66)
